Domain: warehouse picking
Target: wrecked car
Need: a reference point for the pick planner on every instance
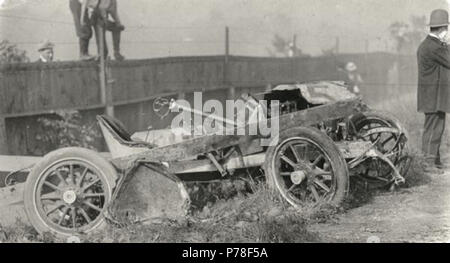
(326, 136)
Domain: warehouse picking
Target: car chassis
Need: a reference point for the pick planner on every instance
(327, 135)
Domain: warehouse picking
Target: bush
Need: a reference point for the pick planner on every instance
(9, 53)
(65, 129)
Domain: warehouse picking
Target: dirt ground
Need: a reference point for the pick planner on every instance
(417, 214)
(420, 213)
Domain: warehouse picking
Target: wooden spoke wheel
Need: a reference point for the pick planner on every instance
(370, 126)
(375, 127)
(307, 168)
(67, 192)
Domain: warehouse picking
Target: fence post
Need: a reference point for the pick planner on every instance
(337, 45)
(227, 56)
(231, 95)
(293, 58)
(3, 140)
(105, 87)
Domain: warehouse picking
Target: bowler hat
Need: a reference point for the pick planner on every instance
(439, 17)
(46, 45)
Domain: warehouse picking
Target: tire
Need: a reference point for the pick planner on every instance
(361, 119)
(332, 159)
(383, 119)
(68, 181)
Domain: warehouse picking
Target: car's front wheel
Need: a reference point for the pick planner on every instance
(68, 192)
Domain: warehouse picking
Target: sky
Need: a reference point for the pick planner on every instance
(159, 28)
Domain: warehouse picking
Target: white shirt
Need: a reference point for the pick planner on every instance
(42, 58)
(434, 35)
(446, 40)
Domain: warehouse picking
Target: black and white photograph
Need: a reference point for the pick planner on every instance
(224, 122)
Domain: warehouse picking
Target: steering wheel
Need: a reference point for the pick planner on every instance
(161, 106)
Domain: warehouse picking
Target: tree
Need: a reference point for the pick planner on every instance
(285, 48)
(329, 51)
(9, 4)
(408, 35)
(9, 53)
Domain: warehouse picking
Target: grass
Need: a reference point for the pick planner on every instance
(23, 233)
(242, 217)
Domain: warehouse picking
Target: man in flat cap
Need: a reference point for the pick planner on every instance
(45, 52)
(433, 95)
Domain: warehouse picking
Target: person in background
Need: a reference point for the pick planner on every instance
(354, 79)
(433, 94)
(46, 52)
(83, 28)
(100, 12)
(105, 7)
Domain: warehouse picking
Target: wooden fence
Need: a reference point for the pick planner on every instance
(28, 91)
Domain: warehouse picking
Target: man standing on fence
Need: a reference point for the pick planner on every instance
(94, 14)
(103, 10)
(433, 94)
(83, 29)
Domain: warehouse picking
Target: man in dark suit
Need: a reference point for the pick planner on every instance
(433, 94)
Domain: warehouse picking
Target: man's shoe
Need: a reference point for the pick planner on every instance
(438, 164)
(430, 167)
(87, 57)
(434, 168)
(120, 27)
(119, 56)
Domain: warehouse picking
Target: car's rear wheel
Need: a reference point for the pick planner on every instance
(306, 168)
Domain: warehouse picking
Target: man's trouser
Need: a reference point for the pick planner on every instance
(84, 32)
(109, 26)
(432, 135)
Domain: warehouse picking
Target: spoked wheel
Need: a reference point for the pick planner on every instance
(67, 192)
(307, 168)
(370, 127)
(386, 133)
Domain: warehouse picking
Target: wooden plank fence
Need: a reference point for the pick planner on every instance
(28, 91)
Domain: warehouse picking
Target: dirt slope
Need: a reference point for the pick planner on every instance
(417, 214)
